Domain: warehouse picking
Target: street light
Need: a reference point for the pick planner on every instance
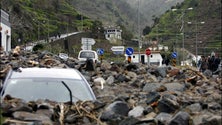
(196, 23)
(38, 27)
(182, 27)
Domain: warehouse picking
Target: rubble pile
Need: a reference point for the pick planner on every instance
(127, 94)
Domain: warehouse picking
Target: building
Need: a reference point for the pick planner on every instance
(113, 34)
(5, 29)
(155, 58)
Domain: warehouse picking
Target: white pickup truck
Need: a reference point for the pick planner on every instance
(88, 54)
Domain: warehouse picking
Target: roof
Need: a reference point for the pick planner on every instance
(36, 72)
(143, 52)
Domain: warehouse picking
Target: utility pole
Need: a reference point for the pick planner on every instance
(182, 28)
(48, 30)
(196, 30)
(139, 42)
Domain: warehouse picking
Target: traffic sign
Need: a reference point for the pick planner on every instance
(174, 55)
(85, 47)
(100, 51)
(118, 49)
(129, 51)
(148, 51)
(88, 41)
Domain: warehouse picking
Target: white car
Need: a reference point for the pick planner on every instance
(88, 54)
(55, 84)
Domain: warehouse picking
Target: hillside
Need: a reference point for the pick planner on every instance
(150, 9)
(124, 12)
(34, 19)
(167, 29)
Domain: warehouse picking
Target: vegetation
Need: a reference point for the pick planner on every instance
(168, 28)
(34, 19)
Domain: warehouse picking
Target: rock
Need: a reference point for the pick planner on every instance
(181, 118)
(26, 116)
(163, 118)
(173, 72)
(214, 106)
(207, 119)
(167, 104)
(121, 78)
(99, 82)
(106, 65)
(162, 88)
(115, 110)
(136, 111)
(130, 121)
(194, 108)
(130, 94)
(174, 87)
(152, 97)
(110, 80)
(162, 71)
(149, 87)
(131, 67)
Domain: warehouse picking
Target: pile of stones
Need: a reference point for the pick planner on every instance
(127, 94)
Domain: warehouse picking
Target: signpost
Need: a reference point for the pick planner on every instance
(100, 52)
(174, 56)
(118, 49)
(129, 51)
(148, 52)
(87, 43)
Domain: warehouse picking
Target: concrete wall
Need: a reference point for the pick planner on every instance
(154, 58)
(5, 29)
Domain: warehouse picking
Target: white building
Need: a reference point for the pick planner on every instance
(113, 34)
(154, 58)
(5, 29)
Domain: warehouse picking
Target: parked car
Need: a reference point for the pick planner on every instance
(55, 84)
(88, 54)
(63, 56)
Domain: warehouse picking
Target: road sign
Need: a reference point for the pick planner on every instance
(129, 51)
(88, 41)
(174, 55)
(85, 47)
(148, 51)
(100, 51)
(118, 49)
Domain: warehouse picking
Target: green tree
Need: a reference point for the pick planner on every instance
(146, 30)
(97, 29)
(126, 35)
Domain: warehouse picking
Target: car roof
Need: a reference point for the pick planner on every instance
(37, 72)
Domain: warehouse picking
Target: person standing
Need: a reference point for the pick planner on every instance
(213, 62)
(203, 63)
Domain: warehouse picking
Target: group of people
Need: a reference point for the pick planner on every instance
(212, 63)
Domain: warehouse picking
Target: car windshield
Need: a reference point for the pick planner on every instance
(87, 55)
(51, 89)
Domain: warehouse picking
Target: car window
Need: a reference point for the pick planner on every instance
(87, 55)
(54, 90)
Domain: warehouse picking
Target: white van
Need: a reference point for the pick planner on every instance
(88, 54)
